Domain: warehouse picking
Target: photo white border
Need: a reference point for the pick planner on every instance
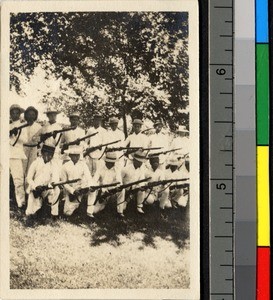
(190, 6)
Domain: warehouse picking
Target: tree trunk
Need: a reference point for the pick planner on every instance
(125, 130)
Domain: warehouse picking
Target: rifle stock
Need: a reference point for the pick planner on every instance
(164, 152)
(77, 141)
(13, 130)
(40, 189)
(121, 187)
(98, 147)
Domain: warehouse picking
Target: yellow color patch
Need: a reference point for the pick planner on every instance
(263, 196)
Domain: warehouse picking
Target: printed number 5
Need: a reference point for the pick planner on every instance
(221, 186)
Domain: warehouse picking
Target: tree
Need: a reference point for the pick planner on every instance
(114, 62)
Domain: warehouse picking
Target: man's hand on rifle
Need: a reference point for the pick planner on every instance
(77, 193)
(45, 136)
(77, 142)
(64, 147)
(54, 134)
(14, 131)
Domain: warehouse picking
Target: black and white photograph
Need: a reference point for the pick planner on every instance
(100, 150)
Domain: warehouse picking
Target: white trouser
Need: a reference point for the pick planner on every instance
(71, 206)
(179, 197)
(34, 204)
(94, 164)
(17, 173)
(118, 197)
(164, 201)
(140, 196)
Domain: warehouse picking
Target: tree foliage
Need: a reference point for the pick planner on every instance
(112, 62)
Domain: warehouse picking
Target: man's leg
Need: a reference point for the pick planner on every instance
(53, 196)
(121, 204)
(70, 206)
(90, 204)
(17, 173)
(140, 199)
(33, 205)
(164, 201)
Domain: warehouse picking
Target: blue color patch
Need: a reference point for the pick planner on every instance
(262, 21)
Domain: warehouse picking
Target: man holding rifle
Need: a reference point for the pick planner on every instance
(100, 138)
(157, 193)
(43, 172)
(182, 142)
(177, 192)
(31, 116)
(159, 139)
(18, 137)
(72, 135)
(136, 139)
(110, 173)
(133, 172)
(44, 136)
(73, 169)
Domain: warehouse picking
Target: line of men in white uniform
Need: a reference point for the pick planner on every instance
(30, 169)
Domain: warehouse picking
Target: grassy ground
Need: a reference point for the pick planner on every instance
(139, 252)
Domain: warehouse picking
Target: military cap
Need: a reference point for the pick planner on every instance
(51, 111)
(111, 157)
(29, 109)
(74, 150)
(158, 122)
(97, 116)
(16, 106)
(74, 114)
(182, 129)
(140, 156)
(113, 120)
(153, 157)
(137, 121)
(173, 162)
(47, 148)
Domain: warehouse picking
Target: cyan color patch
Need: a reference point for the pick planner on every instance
(262, 21)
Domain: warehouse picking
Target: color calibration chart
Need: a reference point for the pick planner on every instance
(262, 139)
(239, 90)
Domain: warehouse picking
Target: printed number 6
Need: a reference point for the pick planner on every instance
(221, 186)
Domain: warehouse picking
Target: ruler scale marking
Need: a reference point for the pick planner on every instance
(221, 86)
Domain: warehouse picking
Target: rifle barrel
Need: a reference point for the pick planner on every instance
(94, 148)
(135, 182)
(65, 182)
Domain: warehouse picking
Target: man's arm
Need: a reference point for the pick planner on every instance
(64, 177)
(31, 175)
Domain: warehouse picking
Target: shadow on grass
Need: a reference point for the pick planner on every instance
(108, 228)
(173, 226)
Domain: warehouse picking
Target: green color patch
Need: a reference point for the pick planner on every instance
(262, 93)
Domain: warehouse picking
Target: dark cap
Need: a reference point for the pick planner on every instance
(47, 148)
(137, 121)
(97, 116)
(29, 109)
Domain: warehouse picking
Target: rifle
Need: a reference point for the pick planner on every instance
(163, 152)
(93, 188)
(41, 188)
(98, 147)
(120, 149)
(76, 142)
(147, 129)
(179, 186)
(48, 135)
(15, 130)
(121, 187)
(150, 185)
(183, 156)
(135, 149)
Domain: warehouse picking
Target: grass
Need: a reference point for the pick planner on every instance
(138, 252)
